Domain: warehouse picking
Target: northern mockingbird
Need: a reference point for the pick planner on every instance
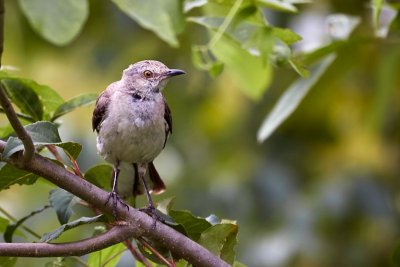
(133, 121)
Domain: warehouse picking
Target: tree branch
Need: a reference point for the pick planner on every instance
(29, 148)
(113, 236)
(138, 223)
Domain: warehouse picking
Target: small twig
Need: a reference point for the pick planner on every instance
(21, 115)
(136, 254)
(154, 251)
(29, 148)
(76, 168)
(53, 150)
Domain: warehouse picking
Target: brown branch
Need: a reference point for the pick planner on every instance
(140, 224)
(115, 235)
(29, 148)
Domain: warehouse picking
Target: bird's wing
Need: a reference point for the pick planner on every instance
(168, 121)
(100, 111)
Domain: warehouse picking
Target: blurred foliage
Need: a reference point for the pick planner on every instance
(322, 190)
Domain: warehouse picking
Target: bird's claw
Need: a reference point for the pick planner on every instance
(152, 212)
(115, 199)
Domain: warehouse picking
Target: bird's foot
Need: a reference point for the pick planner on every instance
(154, 213)
(115, 199)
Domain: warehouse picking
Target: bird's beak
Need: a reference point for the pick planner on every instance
(174, 72)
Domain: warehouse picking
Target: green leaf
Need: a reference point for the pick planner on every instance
(252, 74)
(8, 261)
(221, 240)
(81, 221)
(62, 201)
(42, 133)
(11, 228)
(50, 99)
(100, 175)
(163, 17)
(57, 21)
(191, 4)
(76, 102)
(107, 257)
(3, 225)
(278, 5)
(286, 35)
(194, 226)
(24, 97)
(72, 149)
(10, 175)
(290, 100)
(376, 8)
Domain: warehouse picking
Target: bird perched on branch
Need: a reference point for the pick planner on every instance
(133, 122)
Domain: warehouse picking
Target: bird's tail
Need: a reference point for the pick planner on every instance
(157, 185)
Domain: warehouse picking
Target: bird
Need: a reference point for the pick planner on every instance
(133, 122)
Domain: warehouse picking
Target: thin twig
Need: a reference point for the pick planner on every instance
(53, 150)
(29, 148)
(155, 252)
(136, 254)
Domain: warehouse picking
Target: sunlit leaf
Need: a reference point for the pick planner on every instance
(278, 5)
(11, 228)
(62, 201)
(191, 4)
(57, 21)
(24, 97)
(11, 175)
(252, 74)
(286, 35)
(377, 8)
(107, 257)
(81, 221)
(221, 239)
(76, 102)
(290, 100)
(166, 20)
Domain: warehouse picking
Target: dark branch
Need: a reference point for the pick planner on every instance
(8, 108)
(140, 224)
(113, 236)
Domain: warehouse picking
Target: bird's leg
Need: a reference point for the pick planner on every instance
(150, 208)
(113, 194)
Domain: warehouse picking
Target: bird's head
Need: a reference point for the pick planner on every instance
(148, 75)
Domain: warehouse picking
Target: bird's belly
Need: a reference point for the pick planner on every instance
(131, 141)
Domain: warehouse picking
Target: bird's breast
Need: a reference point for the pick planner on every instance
(133, 131)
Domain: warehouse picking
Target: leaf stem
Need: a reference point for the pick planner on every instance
(155, 252)
(225, 24)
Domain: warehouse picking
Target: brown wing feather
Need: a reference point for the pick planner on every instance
(168, 121)
(100, 110)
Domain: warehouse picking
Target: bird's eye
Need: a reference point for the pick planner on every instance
(147, 74)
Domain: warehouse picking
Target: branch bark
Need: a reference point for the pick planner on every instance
(113, 236)
(138, 224)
